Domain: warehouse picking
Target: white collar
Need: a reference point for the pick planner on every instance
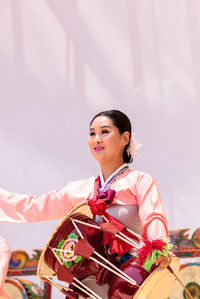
(102, 179)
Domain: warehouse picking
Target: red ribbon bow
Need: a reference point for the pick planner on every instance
(101, 203)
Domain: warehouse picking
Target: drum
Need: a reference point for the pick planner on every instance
(76, 252)
(190, 276)
(18, 288)
(14, 289)
(152, 285)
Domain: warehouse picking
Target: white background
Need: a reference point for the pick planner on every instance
(63, 61)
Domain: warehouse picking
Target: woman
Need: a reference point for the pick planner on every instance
(136, 202)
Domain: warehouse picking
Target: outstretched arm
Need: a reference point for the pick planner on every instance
(21, 208)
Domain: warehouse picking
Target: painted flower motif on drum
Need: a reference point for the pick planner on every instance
(66, 252)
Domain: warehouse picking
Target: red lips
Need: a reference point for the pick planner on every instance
(98, 148)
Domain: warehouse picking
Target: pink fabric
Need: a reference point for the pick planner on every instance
(21, 208)
(5, 254)
(132, 188)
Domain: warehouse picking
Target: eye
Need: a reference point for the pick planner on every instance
(92, 133)
(105, 132)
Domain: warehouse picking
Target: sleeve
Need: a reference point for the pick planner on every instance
(151, 212)
(21, 208)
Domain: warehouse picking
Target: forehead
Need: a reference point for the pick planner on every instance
(101, 121)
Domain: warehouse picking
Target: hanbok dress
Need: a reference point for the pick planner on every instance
(137, 202)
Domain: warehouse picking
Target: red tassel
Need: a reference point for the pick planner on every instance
(149, 247)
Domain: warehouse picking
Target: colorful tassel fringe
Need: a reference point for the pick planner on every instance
(151, 250)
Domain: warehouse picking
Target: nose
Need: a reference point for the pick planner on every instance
(97, 138)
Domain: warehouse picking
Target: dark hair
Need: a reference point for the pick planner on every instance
(122, 122)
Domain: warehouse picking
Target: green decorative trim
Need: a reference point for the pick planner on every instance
(77, 258)
(72, 236)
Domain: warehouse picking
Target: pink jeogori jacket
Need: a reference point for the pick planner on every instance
(133, 188)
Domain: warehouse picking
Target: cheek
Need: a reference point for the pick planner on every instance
(113, 143)
(117, 145)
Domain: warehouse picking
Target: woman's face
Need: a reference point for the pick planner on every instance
(105, 141)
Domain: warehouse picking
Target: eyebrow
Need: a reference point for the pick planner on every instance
(101, 127)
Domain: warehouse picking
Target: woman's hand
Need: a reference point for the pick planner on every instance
(163, 262)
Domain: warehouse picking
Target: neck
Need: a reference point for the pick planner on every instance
(109, 168)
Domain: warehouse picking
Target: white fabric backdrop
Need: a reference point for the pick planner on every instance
(62, 61)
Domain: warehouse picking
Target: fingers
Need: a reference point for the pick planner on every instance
(163, 262)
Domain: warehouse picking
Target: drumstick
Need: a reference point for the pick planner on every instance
(76, 227)
(132, 241)
(133, 233)
(177, 278)
(60, 287)
(62, 250)
(130, 280)
(112, 265)
(86, 224)
(82, 284)
(56, 285)
(52, 249)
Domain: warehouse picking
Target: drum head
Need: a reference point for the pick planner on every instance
(159, 284)
(33, 291)
(190, 276)
(43, 268)
(14, 289)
